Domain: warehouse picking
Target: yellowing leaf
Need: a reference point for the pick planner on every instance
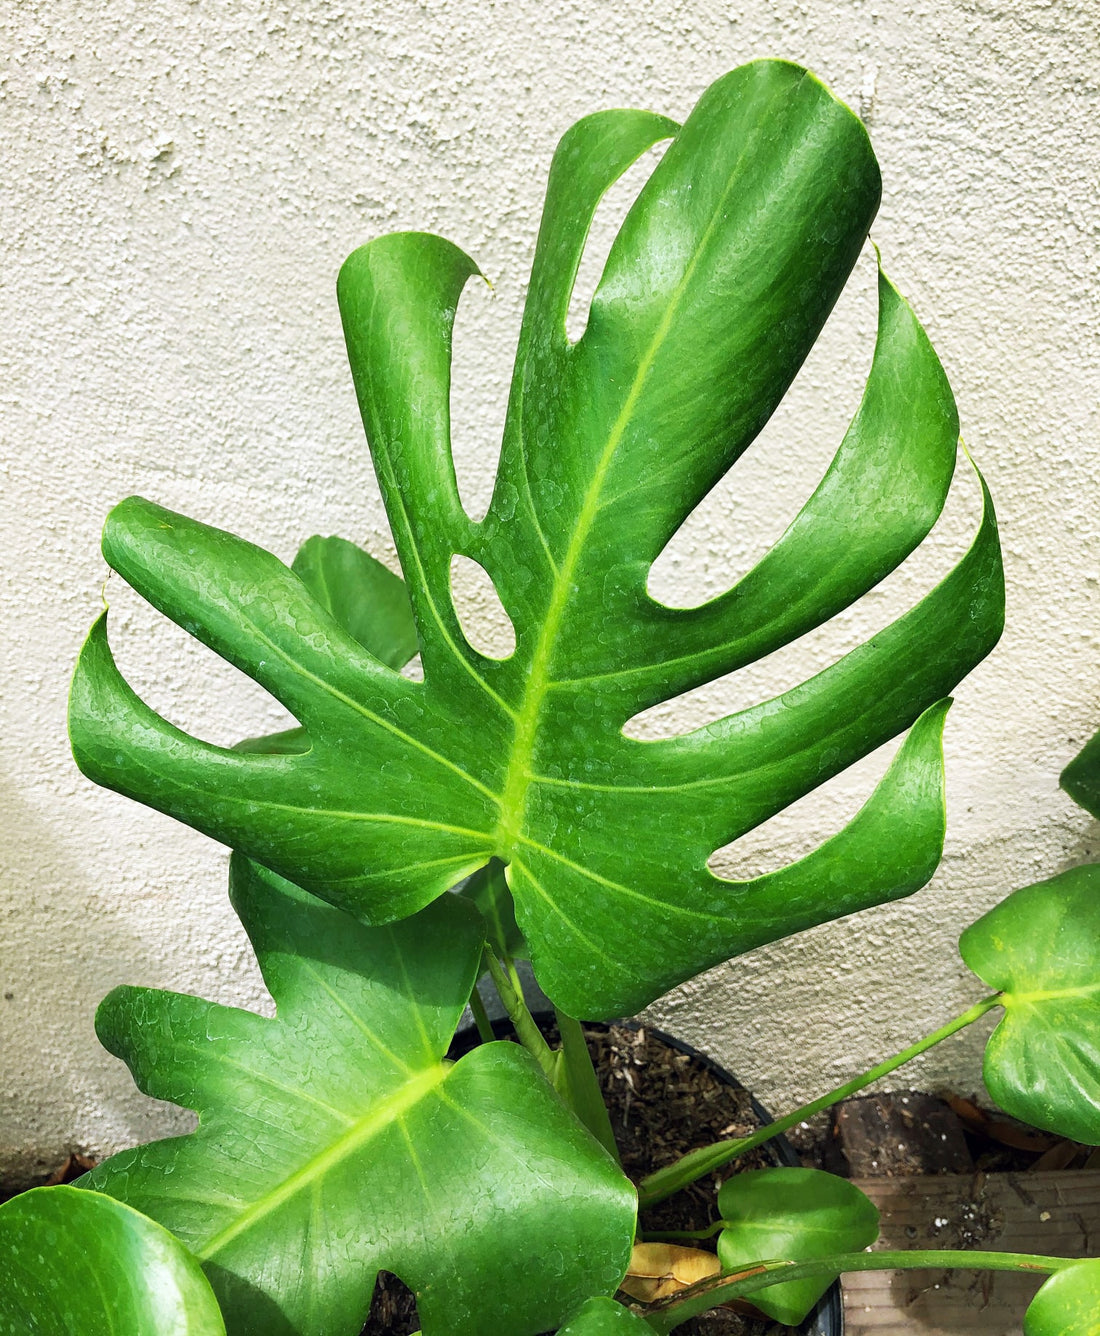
(659, 1269)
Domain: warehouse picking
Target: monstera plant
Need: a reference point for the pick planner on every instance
(338, 1137)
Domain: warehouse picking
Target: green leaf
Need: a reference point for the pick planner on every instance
(80, 1264)
(1068, 1304)
(488, 889)
(604, 1317)
(361, 595)
(334, 1141)
(714, 292)
(1041, 949)
(796, 1215)
(365, 599)
(1081, 778)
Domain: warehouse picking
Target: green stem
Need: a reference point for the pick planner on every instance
(698, 1163)
(582, 1088)
(665, 1235)
(670, 1313)
(527, 1032)
(481, 1017)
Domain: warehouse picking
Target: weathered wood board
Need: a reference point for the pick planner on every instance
(1055, 1213)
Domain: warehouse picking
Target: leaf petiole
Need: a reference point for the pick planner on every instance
(668, 1314)
(481, 1017)
(509, 987)
(582, 1091)
(697, 1164)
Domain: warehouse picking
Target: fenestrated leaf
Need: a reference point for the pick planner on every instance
(604, 1317)
(333, 1141)
(1041, 949)
(1068, 1304)
(794, 1215)
(77, 1263)
(714, 292)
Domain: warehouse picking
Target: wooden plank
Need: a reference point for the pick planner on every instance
(1053, 1213)
(900, 1135)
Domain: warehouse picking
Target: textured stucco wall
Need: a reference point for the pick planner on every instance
(181, 182)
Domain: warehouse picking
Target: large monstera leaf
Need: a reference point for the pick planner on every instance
(715, 290)
(334, 1140)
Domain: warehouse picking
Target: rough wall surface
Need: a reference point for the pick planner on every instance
(183, 179)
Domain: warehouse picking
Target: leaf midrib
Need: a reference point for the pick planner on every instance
(518, 779)
(382, 1115)
(1038, 996)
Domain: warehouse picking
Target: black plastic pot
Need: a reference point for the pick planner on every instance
(827, 1319)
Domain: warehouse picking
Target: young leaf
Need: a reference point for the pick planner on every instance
(1068, 1304)
(77, 1263)
(796, 1215)
(361, 595)
(714, 292)
(334, 1141)
(365, 599)
(1081, 778)
(1041, 948)
(604, 1317)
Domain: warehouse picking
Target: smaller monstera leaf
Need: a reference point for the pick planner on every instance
(604, 1317)
(77, 1263)
(361, 595)
(796, 1215)
(715, 290)
(334, 1140)
(1041, 949)
(1081, 778)
(1068, 1304)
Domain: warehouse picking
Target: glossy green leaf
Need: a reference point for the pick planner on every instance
(1041, 948)
(1068, 1304)
(604, 1317)
(333, 1141)
(365, 599)
(714, 292)
(1081, 778)
(794, 1215)
(488, 889)
(361, 595)
(77, 1263)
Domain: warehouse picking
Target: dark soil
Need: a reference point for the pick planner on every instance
(663, 1103)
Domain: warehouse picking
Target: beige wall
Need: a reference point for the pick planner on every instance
(181, 182)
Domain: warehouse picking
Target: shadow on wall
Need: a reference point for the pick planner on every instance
(61, 950)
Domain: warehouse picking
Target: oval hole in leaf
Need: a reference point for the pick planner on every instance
(485, 624)
(606, 221)
(486, 330)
